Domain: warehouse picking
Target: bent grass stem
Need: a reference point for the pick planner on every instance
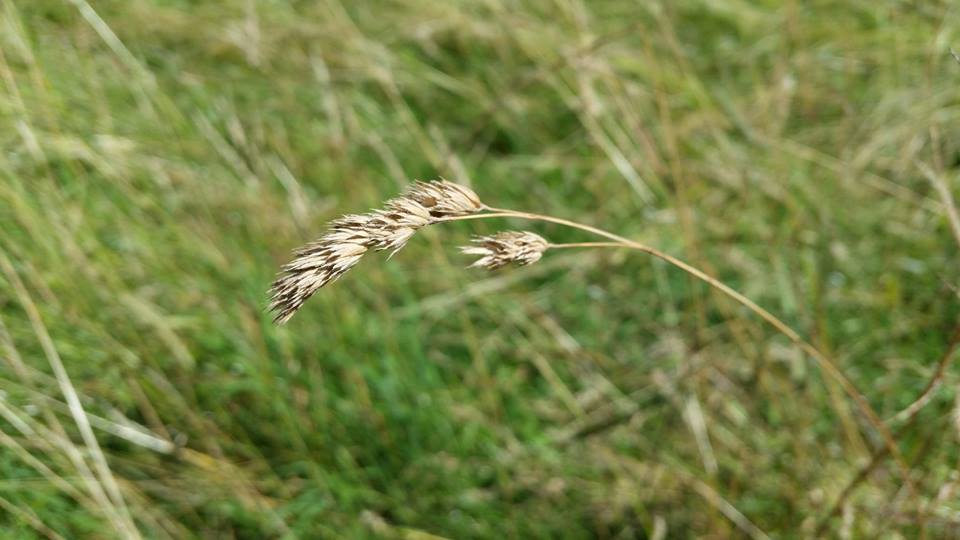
(825, 363)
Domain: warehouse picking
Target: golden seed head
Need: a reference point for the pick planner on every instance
(351, 236)
(444, 199)
(516, 247)
(315, 265)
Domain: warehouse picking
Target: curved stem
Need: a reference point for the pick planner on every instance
(586, 245)
(825, 363)
(501, 212)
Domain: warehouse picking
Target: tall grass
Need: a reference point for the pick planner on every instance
(159, 159)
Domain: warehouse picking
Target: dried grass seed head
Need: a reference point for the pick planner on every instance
(351, 236)
(315, 265)
(444, 199)
(498, 250)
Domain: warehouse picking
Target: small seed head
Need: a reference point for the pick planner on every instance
(508, 247)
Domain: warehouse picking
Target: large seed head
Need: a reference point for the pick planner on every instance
(351, 236)
(316, 264)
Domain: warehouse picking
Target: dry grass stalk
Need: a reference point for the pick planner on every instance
(426, 203)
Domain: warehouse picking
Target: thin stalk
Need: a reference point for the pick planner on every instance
(825, 363)
(586, 245)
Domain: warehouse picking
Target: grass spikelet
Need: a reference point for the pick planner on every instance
(315, 265)
(445, 199)
(508, 247)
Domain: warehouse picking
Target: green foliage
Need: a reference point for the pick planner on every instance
(160, 159)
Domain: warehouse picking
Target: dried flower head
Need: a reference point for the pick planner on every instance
(444, 199)
(314, 265)
(503, 248)
(351, 236)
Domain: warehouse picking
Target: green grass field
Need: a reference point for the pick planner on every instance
(159, 159)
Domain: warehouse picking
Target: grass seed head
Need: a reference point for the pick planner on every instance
(445, 199)
(351, 236)
(516, 247)
(315, 265)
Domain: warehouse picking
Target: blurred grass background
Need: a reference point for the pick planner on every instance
(159, 159)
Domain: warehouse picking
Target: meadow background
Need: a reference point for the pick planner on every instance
(160, 159)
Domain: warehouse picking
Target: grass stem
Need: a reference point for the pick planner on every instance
(822, 360)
